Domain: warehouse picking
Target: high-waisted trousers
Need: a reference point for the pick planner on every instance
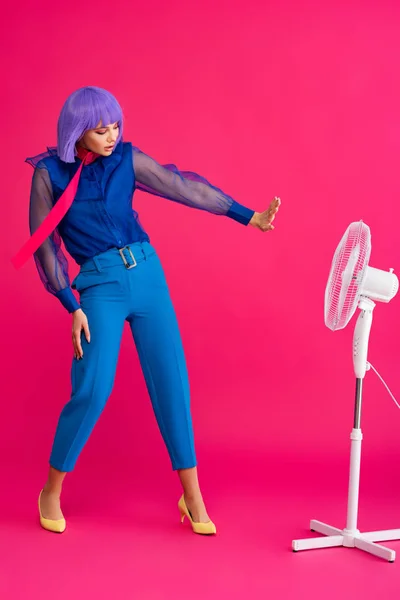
(114, 287)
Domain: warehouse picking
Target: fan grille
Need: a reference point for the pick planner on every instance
(346, 275)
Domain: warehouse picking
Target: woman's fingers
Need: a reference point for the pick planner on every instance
(87, 331)
(273, 208)
(76, 340)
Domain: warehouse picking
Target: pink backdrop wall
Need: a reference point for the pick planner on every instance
(295, 99)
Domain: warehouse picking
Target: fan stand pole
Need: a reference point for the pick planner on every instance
(350, 536)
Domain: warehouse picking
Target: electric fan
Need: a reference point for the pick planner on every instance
(353, 283)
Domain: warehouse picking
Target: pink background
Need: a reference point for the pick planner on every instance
(296, 99)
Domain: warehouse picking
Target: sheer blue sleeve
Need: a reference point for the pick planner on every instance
(50, 260)
(186, 188)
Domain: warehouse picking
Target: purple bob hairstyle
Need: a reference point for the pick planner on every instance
(83, 110)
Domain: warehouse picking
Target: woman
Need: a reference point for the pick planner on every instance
(82, 194)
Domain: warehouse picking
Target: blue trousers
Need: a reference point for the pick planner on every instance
(111, 294)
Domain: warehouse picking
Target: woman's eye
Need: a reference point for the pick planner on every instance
(103, 132)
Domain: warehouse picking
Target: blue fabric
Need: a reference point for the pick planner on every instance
(101, 216)
(110, 295)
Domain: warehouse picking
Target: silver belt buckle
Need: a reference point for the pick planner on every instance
(121, 251)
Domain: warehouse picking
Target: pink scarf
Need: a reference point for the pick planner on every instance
(58, 211)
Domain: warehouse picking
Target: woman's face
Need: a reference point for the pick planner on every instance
(101, 139)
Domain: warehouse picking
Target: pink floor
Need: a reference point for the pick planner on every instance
(124, 539)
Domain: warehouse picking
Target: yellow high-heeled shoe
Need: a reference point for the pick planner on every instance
(202, 528)
(56, 526)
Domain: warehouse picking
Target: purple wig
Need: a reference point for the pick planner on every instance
(83, 110)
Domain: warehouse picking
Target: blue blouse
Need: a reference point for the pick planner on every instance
(101, 216)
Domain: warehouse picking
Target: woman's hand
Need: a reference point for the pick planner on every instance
(263, 221)
(79, 322)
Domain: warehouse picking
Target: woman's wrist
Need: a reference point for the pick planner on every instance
(254, 219)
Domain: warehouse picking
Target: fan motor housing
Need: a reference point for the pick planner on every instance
(379, 285)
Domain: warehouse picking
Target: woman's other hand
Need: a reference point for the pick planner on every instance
(263, 221)
(79, 322)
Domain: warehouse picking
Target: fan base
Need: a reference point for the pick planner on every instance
(354, 539)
